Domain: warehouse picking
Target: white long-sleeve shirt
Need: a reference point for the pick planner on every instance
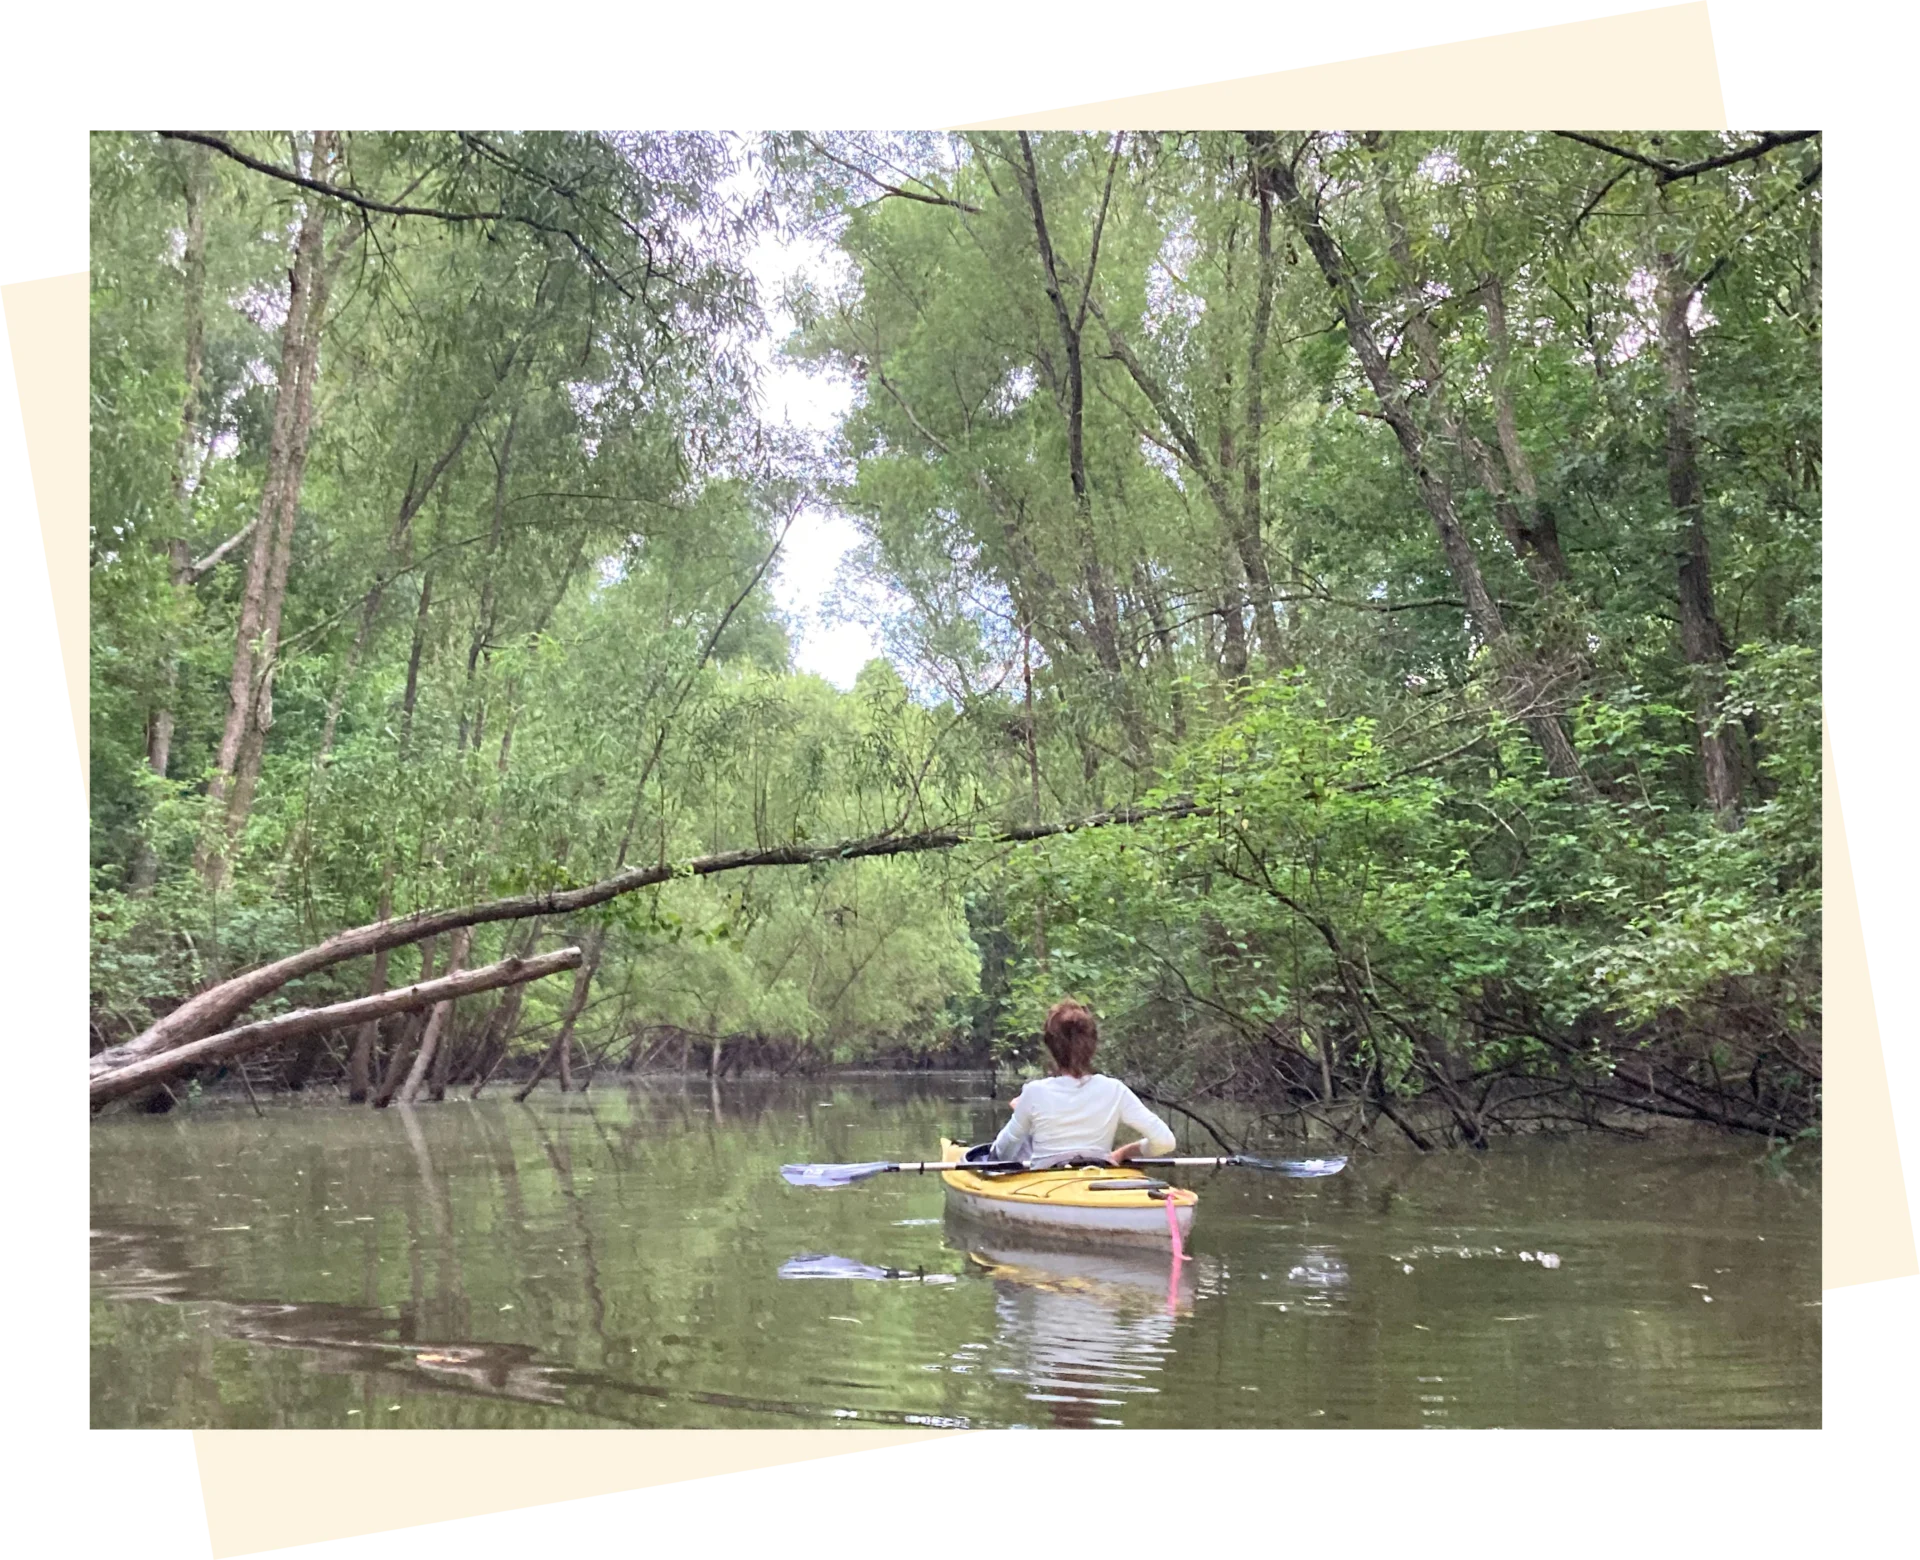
(1057, 1117)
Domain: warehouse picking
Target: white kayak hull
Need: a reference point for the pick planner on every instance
(1135, 1226)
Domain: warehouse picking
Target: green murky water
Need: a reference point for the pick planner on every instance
(617, 1259)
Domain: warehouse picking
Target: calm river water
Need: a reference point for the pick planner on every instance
(628, 1257)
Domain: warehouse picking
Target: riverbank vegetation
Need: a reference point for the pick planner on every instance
(1351, 609)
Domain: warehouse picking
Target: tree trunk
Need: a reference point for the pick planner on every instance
(1701, 640)
(457, 1056)
(1104, 617)
(438, 1021)
(303, 1021)
(504, 1018)
(402, 538)
(421, 615)
(1233, 639)
(1813, 296)
(160, 720)
(1430, 362)
(1033, 783)
(1526, 683)
(272, 535)
(404, 1044)
(561, 1051)
(360, 1062)
(306, 1057)
(1537, 529)
(472, 717)
(1253, 550)
(360, 1059)
(253, 746)
(1235, 656)
(1164, 646)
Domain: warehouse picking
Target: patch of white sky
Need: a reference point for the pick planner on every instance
(1162, 460)
(835, 629)
(1642, 290)
(1014, 391)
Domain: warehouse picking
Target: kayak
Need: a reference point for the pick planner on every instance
(1095, 1202)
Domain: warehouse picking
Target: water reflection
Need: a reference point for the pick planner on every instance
(1081, 1330)
(131, 1263)
(388, 1355)
(631, 1257)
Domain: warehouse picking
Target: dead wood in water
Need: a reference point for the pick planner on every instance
(287, 1026)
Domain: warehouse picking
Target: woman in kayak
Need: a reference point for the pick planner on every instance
(1077, 1113)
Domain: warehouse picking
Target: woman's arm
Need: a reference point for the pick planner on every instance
(1156, 1137)
(1015, 1135)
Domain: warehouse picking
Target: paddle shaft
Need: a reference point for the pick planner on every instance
(848, 1175)
(1215, 1162)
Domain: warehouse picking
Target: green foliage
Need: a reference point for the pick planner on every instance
(529, 637)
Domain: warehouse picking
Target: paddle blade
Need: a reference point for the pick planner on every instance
(830, 1175)
(1299, 1169)
(824, 1265)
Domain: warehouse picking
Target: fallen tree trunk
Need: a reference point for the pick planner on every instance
(286, 1026)
(435, 1035)
(202, 1015)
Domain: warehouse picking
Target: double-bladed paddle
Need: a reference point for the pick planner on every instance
(848, 1175)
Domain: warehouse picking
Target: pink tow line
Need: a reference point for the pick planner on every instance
(1179, 1256)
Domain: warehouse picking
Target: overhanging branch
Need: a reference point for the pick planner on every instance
(213, 1008)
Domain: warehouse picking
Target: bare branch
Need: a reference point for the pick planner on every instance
(367, 204)
(1666, 172)
(197, 571)
(1099, 226)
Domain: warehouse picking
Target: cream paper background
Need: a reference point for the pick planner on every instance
(47, 329)
(1653, 69)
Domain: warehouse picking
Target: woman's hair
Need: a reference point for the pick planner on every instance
(1070, 1036)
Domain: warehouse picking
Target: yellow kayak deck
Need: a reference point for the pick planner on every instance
(1105, 1201)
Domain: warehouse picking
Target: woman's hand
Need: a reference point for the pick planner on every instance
(1125, 1152)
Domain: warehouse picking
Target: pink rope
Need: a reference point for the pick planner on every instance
(1173, 1230)
(1179, 1256)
